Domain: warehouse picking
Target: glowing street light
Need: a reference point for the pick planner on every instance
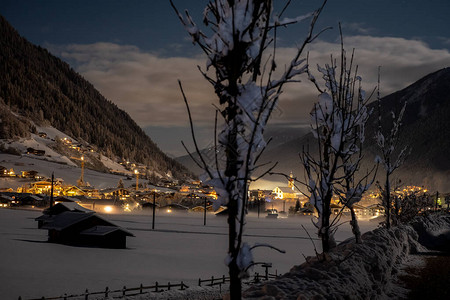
(137, 179)
(80, 181)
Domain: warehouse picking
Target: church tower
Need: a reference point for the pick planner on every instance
(291, 181)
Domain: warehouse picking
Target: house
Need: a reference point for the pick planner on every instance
(375, 210)
(5, 200)
(30, 174)
(85, 229)
(65, 206)
(30, 199)
(115, 193)
(44, 187)
(106, 236)
(90, 191)
(35, 151)
(73, 191)
(58, 209)
(7, 173)
(284, 193)
(336, 208)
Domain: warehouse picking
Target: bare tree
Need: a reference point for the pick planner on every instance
(242, 30)
(338, 123)
(391, 159)
(408, 203)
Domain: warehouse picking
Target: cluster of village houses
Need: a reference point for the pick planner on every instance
(170, 197)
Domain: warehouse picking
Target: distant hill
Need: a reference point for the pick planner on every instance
(39, 87)
(426, 128)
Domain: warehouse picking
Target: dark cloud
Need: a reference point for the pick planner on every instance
(145, 84)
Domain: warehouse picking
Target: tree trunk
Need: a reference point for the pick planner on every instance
(325, 230)
(387, 208)
(235, 281)
(355, 226)
(233, 211)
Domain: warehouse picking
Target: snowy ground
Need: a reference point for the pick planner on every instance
(180, 249)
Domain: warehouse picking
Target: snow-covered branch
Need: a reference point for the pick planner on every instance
(240, 32)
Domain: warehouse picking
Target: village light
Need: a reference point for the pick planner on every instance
(108, 209)
(137, 178)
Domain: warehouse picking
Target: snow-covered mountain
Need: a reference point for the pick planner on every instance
(426, 129)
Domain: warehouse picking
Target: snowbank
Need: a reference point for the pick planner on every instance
(357, 271)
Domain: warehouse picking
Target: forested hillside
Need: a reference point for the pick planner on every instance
(39, 86)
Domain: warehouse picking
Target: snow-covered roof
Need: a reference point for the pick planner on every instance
(5, 197)
(34, 197)
(286, 190)
(104, 230)
(73, 206)
(44, 217)
(63, 198)
(69, 218)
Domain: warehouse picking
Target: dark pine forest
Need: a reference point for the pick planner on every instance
(37, 86)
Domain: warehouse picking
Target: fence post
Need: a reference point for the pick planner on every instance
(65, 296)
(223, 278)
(212, 280)
(168, 286)
(199, 282)
(182, 286)
(156, 286)
(124, 290)
(20, 298)
(106, 292)
(140, 289)
(86, 295)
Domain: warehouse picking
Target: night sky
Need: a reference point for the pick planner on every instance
(134, 52)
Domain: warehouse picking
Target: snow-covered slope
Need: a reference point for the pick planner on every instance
(69, 174)
(65, 167)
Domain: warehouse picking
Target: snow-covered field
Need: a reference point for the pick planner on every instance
(179, 249)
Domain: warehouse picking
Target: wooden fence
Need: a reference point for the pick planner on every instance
(221, 280)
(118, 293)
(213, 281)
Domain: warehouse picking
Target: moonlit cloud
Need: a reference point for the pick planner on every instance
(145, 84)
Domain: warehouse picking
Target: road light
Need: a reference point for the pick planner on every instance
(81, 180)
(137, 179)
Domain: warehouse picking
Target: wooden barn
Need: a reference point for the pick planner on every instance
(84, 229)
(58, 208)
